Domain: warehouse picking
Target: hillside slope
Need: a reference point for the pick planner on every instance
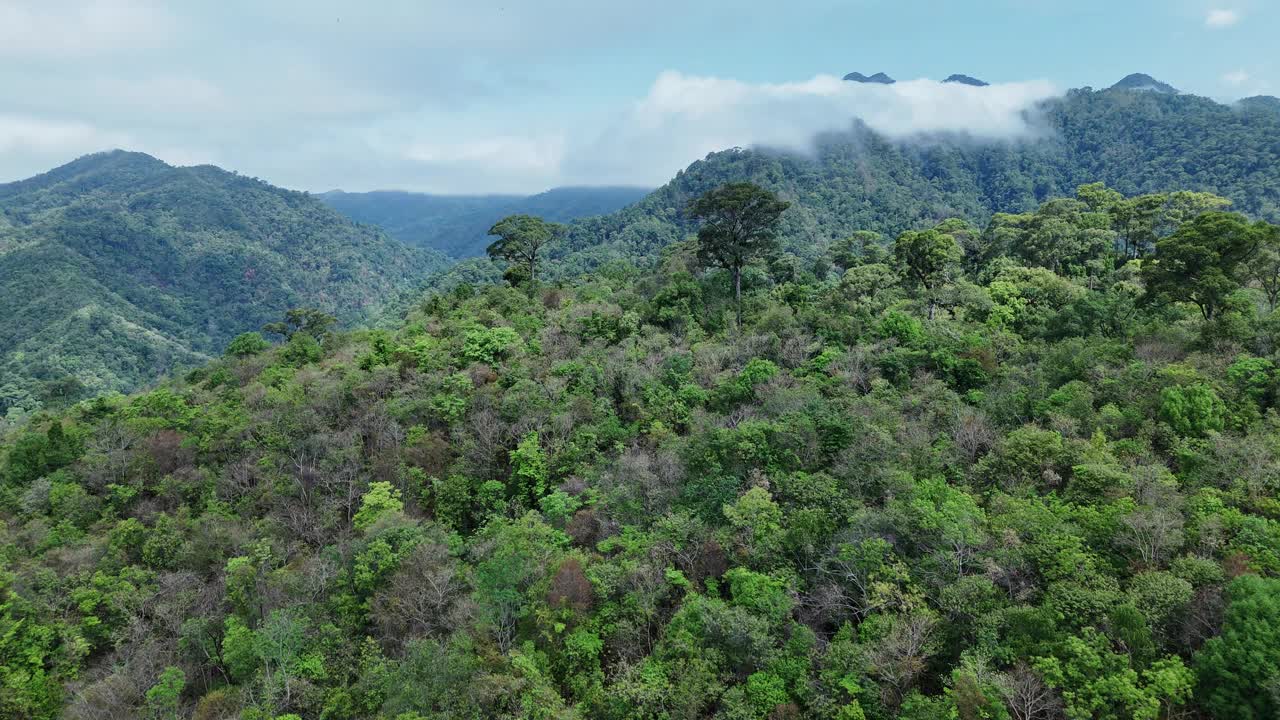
(614, 501)
(458, 225)
(116, 267)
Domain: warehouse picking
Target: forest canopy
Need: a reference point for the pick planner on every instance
(1003, 470)
(118, 268)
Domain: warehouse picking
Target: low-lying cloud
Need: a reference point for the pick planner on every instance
(684, 117)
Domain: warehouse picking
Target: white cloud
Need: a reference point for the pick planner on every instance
(19, 132)
(455, 96)
(680, 119)
(69, 29)
(1236, 78)
(1221, 18)
(684, 117)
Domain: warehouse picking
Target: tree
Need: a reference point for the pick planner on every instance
(164, 696)
(739, 224)
(1098, 683)
(529, 467)
(1200, 263)
(381, 500)
(246, 344)
(520, 239)
(1064, 235)
(1240, 669)
(863, 247)
(1135, 221)
(1264, 268)
(928, 258)
(308, 321)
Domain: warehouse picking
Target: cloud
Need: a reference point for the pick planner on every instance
(70, 29)
(456, 96)
(1236, 78)
(645, 141)
(1221, 18)
(19, 132)
(684, 117)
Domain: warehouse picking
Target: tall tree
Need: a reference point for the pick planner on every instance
(1265, 266)
(928, 258)
(310, 321)
(1240, 669)
(739, 224)
(520, 239)
(863, 247)
(1200, 263)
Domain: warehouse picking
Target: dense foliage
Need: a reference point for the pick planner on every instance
(117, 267)
(457, 225)
(1056, 498)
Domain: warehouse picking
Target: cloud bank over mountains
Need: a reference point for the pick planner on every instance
(684, 117)
(643, 142)
(466, 96)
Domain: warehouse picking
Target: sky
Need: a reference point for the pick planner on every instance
(505, 96)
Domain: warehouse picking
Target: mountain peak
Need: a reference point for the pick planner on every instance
(966, 80)
(1142, 82)
(879, 78)
(88, 170)
(1260, 102)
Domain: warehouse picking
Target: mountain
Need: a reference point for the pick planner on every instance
(1136, 142)
(117, 267)
(611, 500)
(458, 225)
(1264, 103)
(879, 78)
(966, 80)
(1144, 83)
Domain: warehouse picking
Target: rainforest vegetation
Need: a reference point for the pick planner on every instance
(118, 268)
(1020, 469)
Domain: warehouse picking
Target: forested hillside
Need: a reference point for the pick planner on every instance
(1021, 470)
(117, 267)
(458, 225)
(1136, 142)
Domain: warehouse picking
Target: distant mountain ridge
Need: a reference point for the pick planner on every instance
(1136, 142)
(458, 226)
(1260, 102)
(1145, 83)
(879, 78)
(116, 267)
(966, 80)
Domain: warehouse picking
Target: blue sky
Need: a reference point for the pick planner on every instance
(505, 96)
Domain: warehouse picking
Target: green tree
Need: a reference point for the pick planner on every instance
(863, 247)
(520, 240)
(382, 499)
(308, 321)
(1192, 411)
(1200, 263)
(1098, 684)
(1240, 669)
(529, 467)
(1264, 268)
(239, 649)
(246, 344)
(928, 258)
(163, 697)
(739, 224)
